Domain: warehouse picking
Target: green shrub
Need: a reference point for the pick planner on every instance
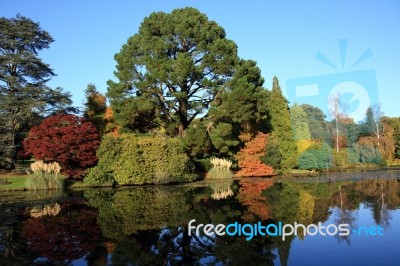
(367, 153)
(345, 157)
(352, 157)
(308, 161)
(108, 154)
(133, 160)
(148, 160)
(320, 156)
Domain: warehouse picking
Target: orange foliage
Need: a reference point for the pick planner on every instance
(249, 158)
(111, 127)
(250, 196)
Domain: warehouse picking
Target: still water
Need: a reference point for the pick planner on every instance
(148, 225)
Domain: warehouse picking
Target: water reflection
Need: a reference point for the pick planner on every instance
(148, 225)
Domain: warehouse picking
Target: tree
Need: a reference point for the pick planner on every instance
(249, 157)
(224, 139)
(300, 129)
(338, 114)
(281, 127)
(171, 70)
(95, 107)
(316, 122)
(66, 139)
(373, 122)
(393, 124)
(244, 100)
(24, 96)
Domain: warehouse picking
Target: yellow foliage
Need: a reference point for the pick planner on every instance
(303, 145)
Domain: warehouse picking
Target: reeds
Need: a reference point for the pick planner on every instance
(47, 210)
(45, 176)
(223, 163)
(220, 169)
(42, 168)
(222, 193)
(221, 189)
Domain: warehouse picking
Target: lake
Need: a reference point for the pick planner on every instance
(148, 225)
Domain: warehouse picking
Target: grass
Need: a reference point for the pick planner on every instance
(10, 182)
(17, 182)
(300, 171)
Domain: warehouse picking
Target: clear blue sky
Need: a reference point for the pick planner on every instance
(282, 36)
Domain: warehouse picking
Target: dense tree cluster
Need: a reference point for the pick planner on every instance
(182, 94)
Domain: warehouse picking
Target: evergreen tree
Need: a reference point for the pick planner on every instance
(171, 70)
(300, 129)
(372, 125)
(244, 101)
(281, 127)
(24, 96)
(316, 123)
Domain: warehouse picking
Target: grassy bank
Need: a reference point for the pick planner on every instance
(10, 182)
(17, 182)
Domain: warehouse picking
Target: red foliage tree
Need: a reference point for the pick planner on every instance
(66, 139)
(249, 158)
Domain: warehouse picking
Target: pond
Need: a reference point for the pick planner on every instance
(150, 225)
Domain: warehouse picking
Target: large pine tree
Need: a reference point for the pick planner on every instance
(171, 70)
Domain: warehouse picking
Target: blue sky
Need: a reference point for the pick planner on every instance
(284, 38)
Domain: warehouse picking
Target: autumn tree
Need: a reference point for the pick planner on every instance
(249, 157)
(393, 124)
(24, 96)
(111, 127)
(66, 139)
(171, 70)
(95, 107)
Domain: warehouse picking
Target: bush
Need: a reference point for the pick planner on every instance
(367, 153)
(322, 154)
(308, 161)
(132, 160)
(108, 154)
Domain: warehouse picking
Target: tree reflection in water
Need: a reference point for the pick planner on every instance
(148, 225)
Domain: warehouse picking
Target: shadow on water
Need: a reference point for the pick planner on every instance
(149, 225)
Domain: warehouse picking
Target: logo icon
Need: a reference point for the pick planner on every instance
(357, 88)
